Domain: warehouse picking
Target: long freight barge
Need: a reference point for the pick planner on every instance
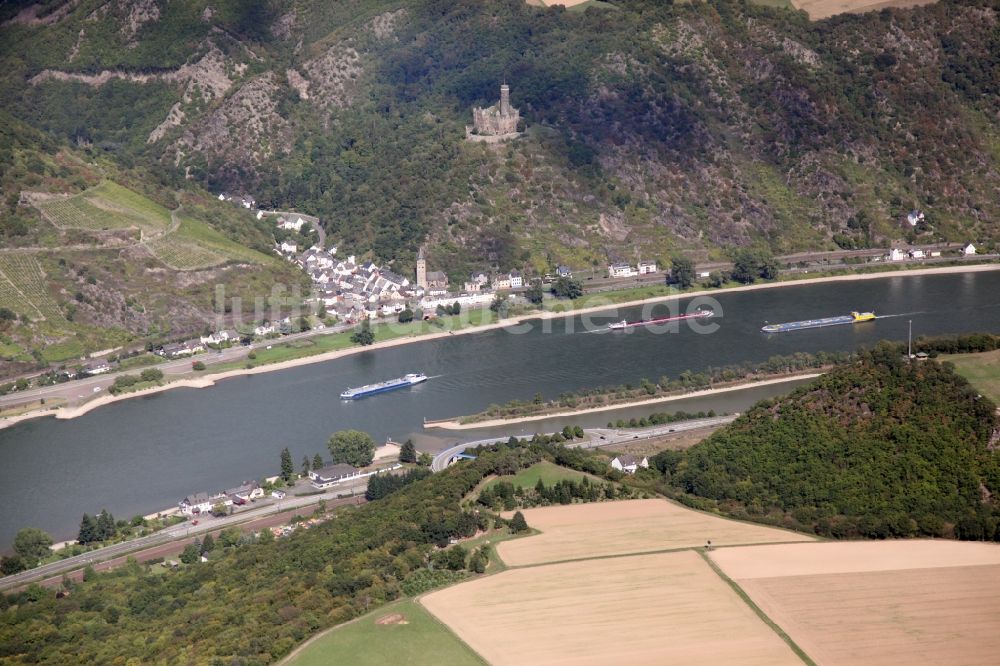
(382, 387)
(624, 324)
(853, 318)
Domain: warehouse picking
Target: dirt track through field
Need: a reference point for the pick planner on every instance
(668, 608)
(578, 531)
(886, 602)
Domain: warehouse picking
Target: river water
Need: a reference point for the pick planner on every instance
(138, 456)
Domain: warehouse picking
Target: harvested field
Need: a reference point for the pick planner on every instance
(820, 9)
(889, 602)
(663, 608)
(577, 531)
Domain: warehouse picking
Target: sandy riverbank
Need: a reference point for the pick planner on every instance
(210, 379)
(456, 424)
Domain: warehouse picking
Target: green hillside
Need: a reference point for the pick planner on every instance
(95, 256)
(652, 128)
(878, 448)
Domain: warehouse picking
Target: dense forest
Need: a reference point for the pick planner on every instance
(875, 448)
(652, 127)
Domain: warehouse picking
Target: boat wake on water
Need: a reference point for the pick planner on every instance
(902, 314)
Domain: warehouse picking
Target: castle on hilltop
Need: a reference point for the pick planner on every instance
(494, 123)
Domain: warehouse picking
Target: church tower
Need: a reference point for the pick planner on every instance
(421, 269)
(505, 100)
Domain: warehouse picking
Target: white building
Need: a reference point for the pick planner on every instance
(197, 503)
(291, 225)
(288, 248)
(647, 267)
(629, 464)
(917, 254)
(516, 281)
(915, 217)
(621, 270)
(969, 250)
(896, 255)
(332, 475)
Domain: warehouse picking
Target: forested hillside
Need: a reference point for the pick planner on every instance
(881, 447)
(652, 128)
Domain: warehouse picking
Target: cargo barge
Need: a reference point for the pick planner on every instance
(853, 318)
(382, 387)
(624, 324)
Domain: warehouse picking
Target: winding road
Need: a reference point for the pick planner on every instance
(598, 437)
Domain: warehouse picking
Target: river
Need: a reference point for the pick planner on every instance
(139, 456)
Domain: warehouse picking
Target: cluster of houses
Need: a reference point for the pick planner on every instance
(897, 254)
(353, 290)
(624, 270)
(245, 201)
(199, 503)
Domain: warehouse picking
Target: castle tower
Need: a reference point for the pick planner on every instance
(505, 100)
(421, 269)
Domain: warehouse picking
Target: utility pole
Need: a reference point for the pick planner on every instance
(909, 340)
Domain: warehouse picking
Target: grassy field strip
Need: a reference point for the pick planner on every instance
(982, 370)
(409, 635)
(548, 473)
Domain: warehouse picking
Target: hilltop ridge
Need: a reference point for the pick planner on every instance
(651, 129)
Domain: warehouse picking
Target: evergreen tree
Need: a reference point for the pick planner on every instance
(317, 462)
(191, 553)
(88, 530)
(208, 544)
(408, 452)
(518, 523)
(477, 563)
(105, 526)
(305, 465)
(364, 335)
(287, 467)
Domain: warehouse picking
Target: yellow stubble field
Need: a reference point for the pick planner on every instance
(642, 609)
(820, 9)
(577, 531)
(888, 602)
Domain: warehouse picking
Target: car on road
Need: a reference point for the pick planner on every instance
(194, 522)
(97, 389)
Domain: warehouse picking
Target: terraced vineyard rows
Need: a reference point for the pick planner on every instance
(22, 288)
(107, 206)
(183, 255)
